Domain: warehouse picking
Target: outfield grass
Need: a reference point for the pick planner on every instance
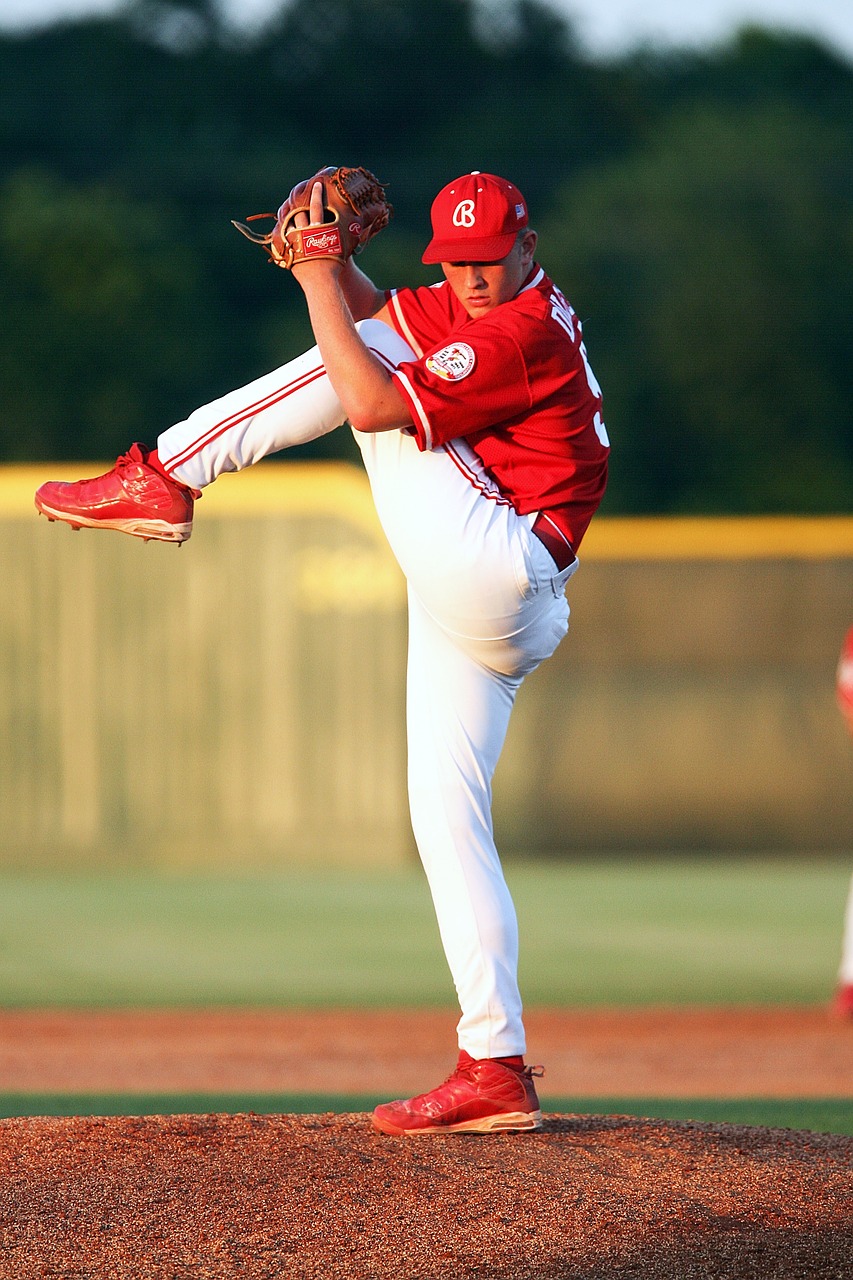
(638, 931)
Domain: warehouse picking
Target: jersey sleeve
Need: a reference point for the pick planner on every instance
(476, 380)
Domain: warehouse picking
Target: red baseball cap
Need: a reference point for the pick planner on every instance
(476, 218)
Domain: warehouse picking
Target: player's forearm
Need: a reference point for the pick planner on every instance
(364, 386)
(361, 295)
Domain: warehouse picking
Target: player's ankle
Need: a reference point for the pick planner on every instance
(152, 460)
(515, 1062)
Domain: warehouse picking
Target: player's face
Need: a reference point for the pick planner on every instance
(482, 286)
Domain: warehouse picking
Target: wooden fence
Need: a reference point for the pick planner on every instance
(239, 702)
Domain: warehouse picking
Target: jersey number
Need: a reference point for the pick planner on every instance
(563, 313)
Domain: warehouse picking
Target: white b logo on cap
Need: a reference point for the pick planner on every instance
(463, 214)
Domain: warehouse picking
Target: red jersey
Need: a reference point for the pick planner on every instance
(517, 384)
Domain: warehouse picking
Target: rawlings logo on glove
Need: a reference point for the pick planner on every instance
(346, 192)
(321, 244)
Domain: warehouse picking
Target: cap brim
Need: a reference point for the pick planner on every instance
(462, 249)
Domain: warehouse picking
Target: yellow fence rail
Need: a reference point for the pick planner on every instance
(297, 489)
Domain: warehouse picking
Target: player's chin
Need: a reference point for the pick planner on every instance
(479, 306)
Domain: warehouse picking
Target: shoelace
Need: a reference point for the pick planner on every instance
(463, 1072)
(135, 458)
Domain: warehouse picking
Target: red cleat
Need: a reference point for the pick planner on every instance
(481, 1096)
(842, 1005)
(136, 497)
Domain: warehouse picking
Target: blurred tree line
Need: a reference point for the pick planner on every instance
(696, 207)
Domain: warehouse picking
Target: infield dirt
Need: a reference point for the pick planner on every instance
(689, 1053)
(222, 1197)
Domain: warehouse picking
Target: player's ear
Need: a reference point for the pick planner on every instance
(529, 240)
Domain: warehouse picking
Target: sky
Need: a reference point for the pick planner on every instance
(605, 27)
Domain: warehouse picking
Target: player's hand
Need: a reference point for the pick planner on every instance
(315, 217)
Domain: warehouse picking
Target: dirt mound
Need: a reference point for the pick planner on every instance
(251, 1196)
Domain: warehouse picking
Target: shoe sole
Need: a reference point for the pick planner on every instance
(148, 530)
(511, 1122)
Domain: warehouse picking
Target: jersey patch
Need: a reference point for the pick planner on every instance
(452, 363)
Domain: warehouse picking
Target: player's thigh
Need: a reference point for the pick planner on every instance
(461, 550)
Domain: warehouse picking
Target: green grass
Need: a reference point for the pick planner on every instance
(639, 931)
(821, 1115)
(617, 931)
(701, 931)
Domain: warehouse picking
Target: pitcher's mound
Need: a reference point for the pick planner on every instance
(251, 1196)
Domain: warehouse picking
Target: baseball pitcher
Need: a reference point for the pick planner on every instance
(479, 420)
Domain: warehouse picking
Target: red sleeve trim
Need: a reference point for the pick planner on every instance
(423, 430)
(395, 311)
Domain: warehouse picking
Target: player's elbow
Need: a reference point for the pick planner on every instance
(363, 425)
(370, 419)
(386, 411)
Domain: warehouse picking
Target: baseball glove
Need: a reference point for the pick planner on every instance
(355, 208)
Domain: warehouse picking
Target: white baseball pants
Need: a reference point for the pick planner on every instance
(486, 606)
